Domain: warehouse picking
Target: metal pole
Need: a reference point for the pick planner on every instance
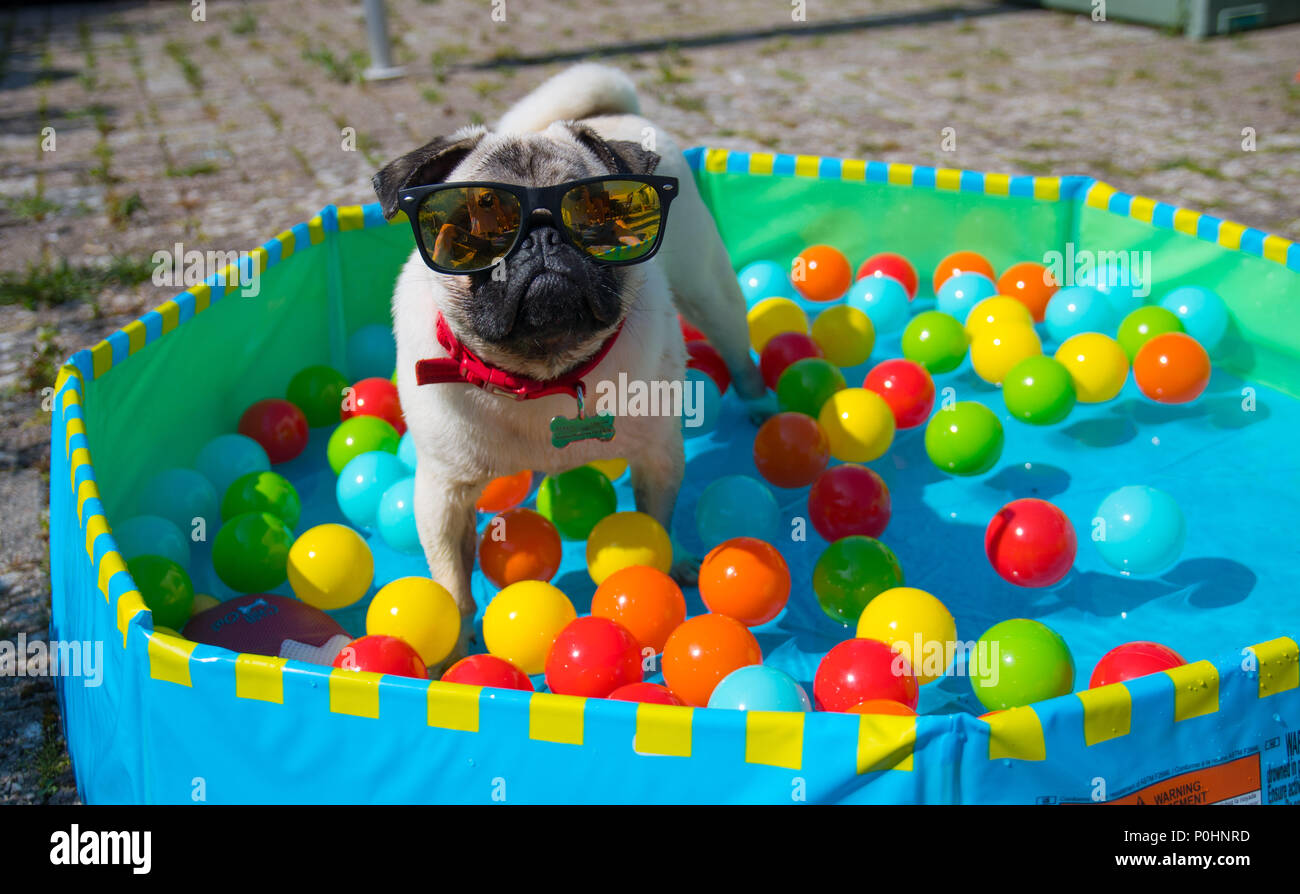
(381, 54)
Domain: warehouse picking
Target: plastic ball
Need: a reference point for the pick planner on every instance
(1039, 390)
(1000, 348)
(821, 273)
(847, 500)
(1172, 368)
(318, 392)
(1203, 314)
(879, 706)
(850, 573)
(646, 694)
(645, 600)
(358, 435)
(371, 352)
(165, 588)
(704, 650)
(330, 566)
(783, 350)
(362, 483)
(591, 657)
(1077, 309)
(379, 654)
(1031, 663)
(705, 357)
(1030, 543)
(884, 301)
(859, 670)
(612, 469)
(736, 506)
(1141, 530)
(574, 501)
(227, 457)
(203, 602)
(964, 439)
(959, 294)
(152, 535)
(702, 404)
(505, 492)
(806, 385)
(1097, 364)
(790, 450)
(375, 397)
(519, 544)
(936, 341)
(263, 492)
(995, 313)
(746, 579)
(522, 621)
(904, 616)
(279, 426)
(421, 612)
(960, 262)
(1143, 324)
(251, 552)
(764, 279)
(772, 316)
(406, 452)
(759, 688)
(627, 538)
(489, 671)
(395, 517)
(906, 387)
(845, 335)
(859, 425)
(1031, 284)
(892, 265)
(1135, 659)
(181, 496)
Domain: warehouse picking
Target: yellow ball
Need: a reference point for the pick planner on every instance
(418, 611)
(330, 566)
(999, 347)
(522, 621)
(858, 423)
(899, 616)
(1097, 364)
(202, 602)
(627, 538)
(612, 469)
(772, 316)
(996, 311)
(845, 335)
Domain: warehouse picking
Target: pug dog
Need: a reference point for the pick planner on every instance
(547, 274)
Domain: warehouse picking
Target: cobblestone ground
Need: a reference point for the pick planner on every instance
(220, 133)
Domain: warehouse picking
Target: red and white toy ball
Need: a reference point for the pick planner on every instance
(489, 671)
(380, 654)
(1136, 659)
(592, 657)
(858, 670)
(267, 624)
(374, 397)
(646, 694)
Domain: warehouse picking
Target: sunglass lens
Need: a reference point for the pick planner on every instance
(468, 228)
(614, 220)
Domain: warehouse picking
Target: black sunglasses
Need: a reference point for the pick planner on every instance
(469, 227)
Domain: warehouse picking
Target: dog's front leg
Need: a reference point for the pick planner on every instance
(445, 518)
(656, 478)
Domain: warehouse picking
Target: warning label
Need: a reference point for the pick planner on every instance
(1281, 760)
(1231, 782)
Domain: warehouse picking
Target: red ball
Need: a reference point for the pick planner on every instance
(705, 357)
(689, 332)
(860, 669)
(374, 397)
(646, 693)
(488, 670)
(279, 426)
(380, 654)
(849, 499)
(791, 450)
(1136, 659)
(906, 387)
(592, 657)
(889, 264)
(783, 350)
(1030, 543)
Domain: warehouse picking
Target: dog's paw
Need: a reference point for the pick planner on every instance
(685, 570)
(761, 409)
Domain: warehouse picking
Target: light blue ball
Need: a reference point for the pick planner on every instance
(1204, 315)
(1143, 530)
(1120, 288)
(406, 451)
(395, 517)
(1076, 309)
(960, 293)
(883, 299)
(363, 482)
(180, 496)
(737, 506)
(701, 404)
(227, 457)
(759, 688)
(765, 279)
(372, 353)
(152, 535)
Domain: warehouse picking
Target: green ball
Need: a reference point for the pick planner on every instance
(318, 392)
(574, 501)
(1039, 390)
(1144, 324)
(251, 552)
(964, 439)
(936, 340)
(851, 572)
(1019, 662)
(262, 492)
(807, 384)
(166, 589)
(358, 435)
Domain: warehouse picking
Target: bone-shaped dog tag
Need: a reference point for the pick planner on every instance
(564, 431)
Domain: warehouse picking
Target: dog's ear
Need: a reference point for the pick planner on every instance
(620, 156)
(431, 163)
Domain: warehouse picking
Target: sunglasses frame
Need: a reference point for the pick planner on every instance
(535, 198)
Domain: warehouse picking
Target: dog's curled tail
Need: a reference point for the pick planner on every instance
(582, 91)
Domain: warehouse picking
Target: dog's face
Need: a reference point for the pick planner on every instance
(549, 305)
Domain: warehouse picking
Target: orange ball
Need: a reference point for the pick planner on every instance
(961, 262)
(1172, 368)
(791, 450)
(505, 492)
(519, 544)
(645, 601)
(882, 706)
(702, 651)
(821, 273)
(745, 578)
(1029, 283)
